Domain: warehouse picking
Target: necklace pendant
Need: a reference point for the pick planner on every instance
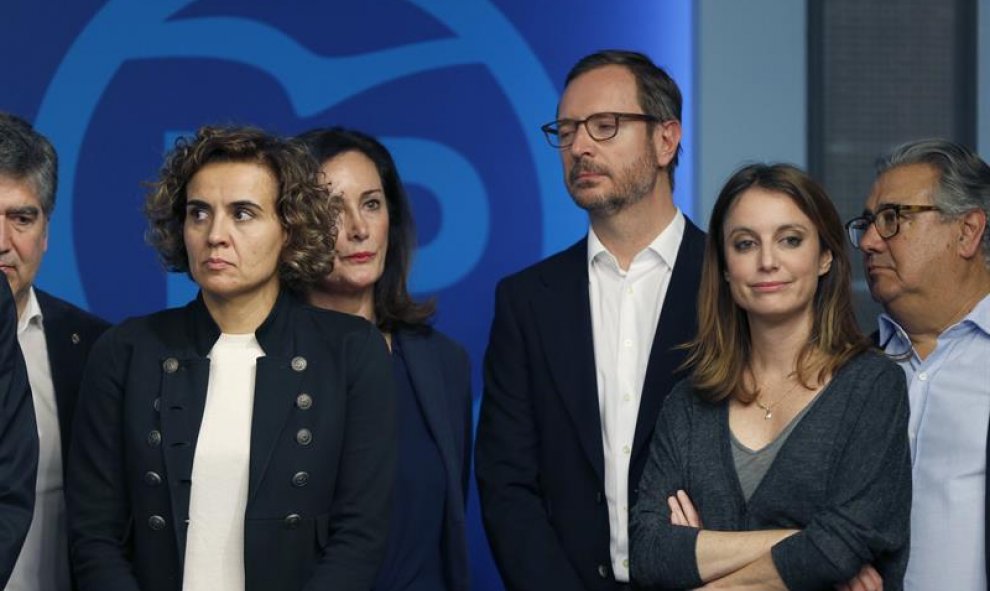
(767, 415)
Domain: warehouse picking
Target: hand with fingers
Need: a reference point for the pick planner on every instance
(867, 579)
(682, 511)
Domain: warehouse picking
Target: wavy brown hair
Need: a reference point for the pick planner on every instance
(305, 211)
(720, 356)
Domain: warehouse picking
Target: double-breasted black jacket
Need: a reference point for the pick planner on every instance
(321, 460)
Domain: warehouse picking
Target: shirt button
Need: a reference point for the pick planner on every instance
(625, 449)
(603, 571)
(627, 343)
(923, 376)
(629, 291)
(152, 478)
(304, 437)
(291, 521)
(304, 401)
(170, 365)
(627, 398)
(154, 438)
(298, 363)
(625, 563)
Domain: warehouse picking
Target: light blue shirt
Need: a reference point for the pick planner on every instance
(950, 414)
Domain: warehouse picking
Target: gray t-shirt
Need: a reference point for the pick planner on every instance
(752, 464)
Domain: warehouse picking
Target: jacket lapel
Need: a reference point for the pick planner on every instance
(279, 378)
(275, 387)
(183, 397)
(677, 324)
(563, 316)
(61, 362)
(428, 387)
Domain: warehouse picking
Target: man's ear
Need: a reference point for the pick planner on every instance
(666, 140)
(971, 229)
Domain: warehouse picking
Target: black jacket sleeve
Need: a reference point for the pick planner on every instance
(18, 440)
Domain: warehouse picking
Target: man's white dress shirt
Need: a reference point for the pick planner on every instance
(625, 309)
(43, 564)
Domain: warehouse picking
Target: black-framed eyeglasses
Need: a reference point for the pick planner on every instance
(600, 126)
(887, 221)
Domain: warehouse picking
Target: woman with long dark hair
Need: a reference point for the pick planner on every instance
(427, 550)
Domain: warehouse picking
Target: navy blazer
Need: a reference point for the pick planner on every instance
(441, 378)
(69, 335)
(540, 460)
(18, 440)
(322, 457)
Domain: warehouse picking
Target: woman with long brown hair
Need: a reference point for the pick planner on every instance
(782, 461)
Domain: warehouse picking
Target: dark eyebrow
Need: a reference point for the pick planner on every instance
(197, 203)
(244, 203)
(783, 228)
(27, 210)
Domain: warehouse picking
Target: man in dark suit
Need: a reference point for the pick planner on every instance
(18, 441)
(583, 347)
(54, 336)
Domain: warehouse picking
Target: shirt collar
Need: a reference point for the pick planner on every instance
(665, 244)
(979, 316)
(32, 313)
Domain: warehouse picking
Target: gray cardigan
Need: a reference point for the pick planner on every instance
(843, 478)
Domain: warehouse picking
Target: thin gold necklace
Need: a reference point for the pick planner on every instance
(768, 408)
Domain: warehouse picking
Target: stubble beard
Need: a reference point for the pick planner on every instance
(631, 185)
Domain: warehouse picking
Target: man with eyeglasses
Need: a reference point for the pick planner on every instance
(926, 249)
(583, 344)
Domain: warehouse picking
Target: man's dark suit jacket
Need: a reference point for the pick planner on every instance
(539, 456)
(18, 440)
(69, 334)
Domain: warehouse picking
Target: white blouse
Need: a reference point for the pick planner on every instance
(218, 498)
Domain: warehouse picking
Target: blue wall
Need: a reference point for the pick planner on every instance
(457, 89)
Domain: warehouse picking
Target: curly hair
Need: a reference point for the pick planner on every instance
(305, 211)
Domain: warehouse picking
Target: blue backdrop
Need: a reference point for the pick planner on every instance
(457, 89)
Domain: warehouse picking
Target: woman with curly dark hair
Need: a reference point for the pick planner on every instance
(245, 441)
(427, 549)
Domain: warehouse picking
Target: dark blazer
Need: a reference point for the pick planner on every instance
(441, 377)
(69, 335)
(322, 455)
(18, 440)
(540, 462)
